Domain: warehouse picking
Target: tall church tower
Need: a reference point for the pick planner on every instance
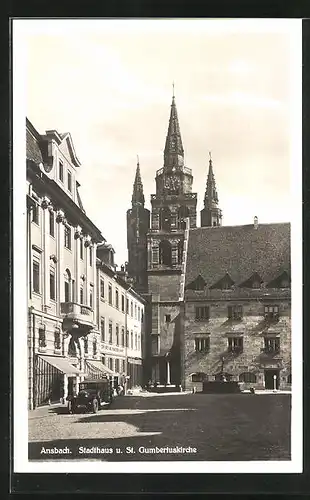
(211, 214)
(138, 223)
(171, 205)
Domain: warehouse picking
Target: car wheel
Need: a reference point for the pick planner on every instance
(95, 405)
(70, 407)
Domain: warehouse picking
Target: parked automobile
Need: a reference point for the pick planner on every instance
(92, 396)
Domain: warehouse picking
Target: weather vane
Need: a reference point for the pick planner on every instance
(172, 89)
(210, 155)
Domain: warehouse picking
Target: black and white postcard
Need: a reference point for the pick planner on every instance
(157, 245)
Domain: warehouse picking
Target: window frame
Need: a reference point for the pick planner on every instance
(42, 337)
(68, 238)
(200, 313)
(110, 340)
(275, 348)
(35, 217)
(81, 249)
(69, 181)
(235, 312)
(52, 226)
(91, 296)
(52, 273)
(202, 344)
(61, 171)
(233, 344)
(57, 339)
(102, 329)
(110, 294)
(102, 289)
(36, 262)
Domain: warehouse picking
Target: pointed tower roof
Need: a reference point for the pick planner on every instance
(173, 152)
(211, 195)
(137, 195)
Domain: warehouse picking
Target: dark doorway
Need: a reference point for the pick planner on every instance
(269, 379)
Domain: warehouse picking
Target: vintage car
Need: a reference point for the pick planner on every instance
(92, 396)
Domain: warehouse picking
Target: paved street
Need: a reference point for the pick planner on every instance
(218, 427)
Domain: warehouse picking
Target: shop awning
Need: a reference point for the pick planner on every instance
(61, 364)
(98, 366)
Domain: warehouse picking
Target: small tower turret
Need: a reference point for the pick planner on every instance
(138, 223)
(211, 214)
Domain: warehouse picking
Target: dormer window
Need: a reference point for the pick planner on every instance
(225, 283)
(255, 284)
(61, 171)
(69, 182)
(198, 284)
(254, 281)
(281, 281)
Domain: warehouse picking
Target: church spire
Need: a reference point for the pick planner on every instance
(211, 215)
(137, 195)
(173, 152)
(211, 196)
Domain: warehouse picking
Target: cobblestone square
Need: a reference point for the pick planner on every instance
(167, 427)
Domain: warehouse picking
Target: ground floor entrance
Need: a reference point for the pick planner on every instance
(165, 371)
(272, 379)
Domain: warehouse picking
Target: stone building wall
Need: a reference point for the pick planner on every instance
(252, 328)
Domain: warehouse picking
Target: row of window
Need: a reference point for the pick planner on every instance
(67, 234)
(68, 285)
(42, 338)
(235, 345)
(134, 310)
(115, 364)
(202, 313)
(132, 340)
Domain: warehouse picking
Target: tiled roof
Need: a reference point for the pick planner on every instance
(239, 251)
(33, 151)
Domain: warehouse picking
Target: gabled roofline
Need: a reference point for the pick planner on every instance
(33, 130)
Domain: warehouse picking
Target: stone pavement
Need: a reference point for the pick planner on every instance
(217, 427)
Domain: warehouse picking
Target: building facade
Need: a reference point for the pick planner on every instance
(121, 320)
(66, 341)
(218, 298)
(61, 268)
(238, 306)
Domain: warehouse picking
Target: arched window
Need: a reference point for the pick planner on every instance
(247, 377)
(180, 251)
(183, 213)
(68, 283)
(199, 377)
(166, 219)
(165, 253)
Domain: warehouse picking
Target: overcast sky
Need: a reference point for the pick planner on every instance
(109, 83)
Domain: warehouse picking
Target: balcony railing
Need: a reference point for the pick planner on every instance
(77, 313)
(74, 308)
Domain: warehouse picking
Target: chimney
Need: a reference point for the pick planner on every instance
(255, 222)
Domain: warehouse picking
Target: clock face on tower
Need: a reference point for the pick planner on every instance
(172, 183)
